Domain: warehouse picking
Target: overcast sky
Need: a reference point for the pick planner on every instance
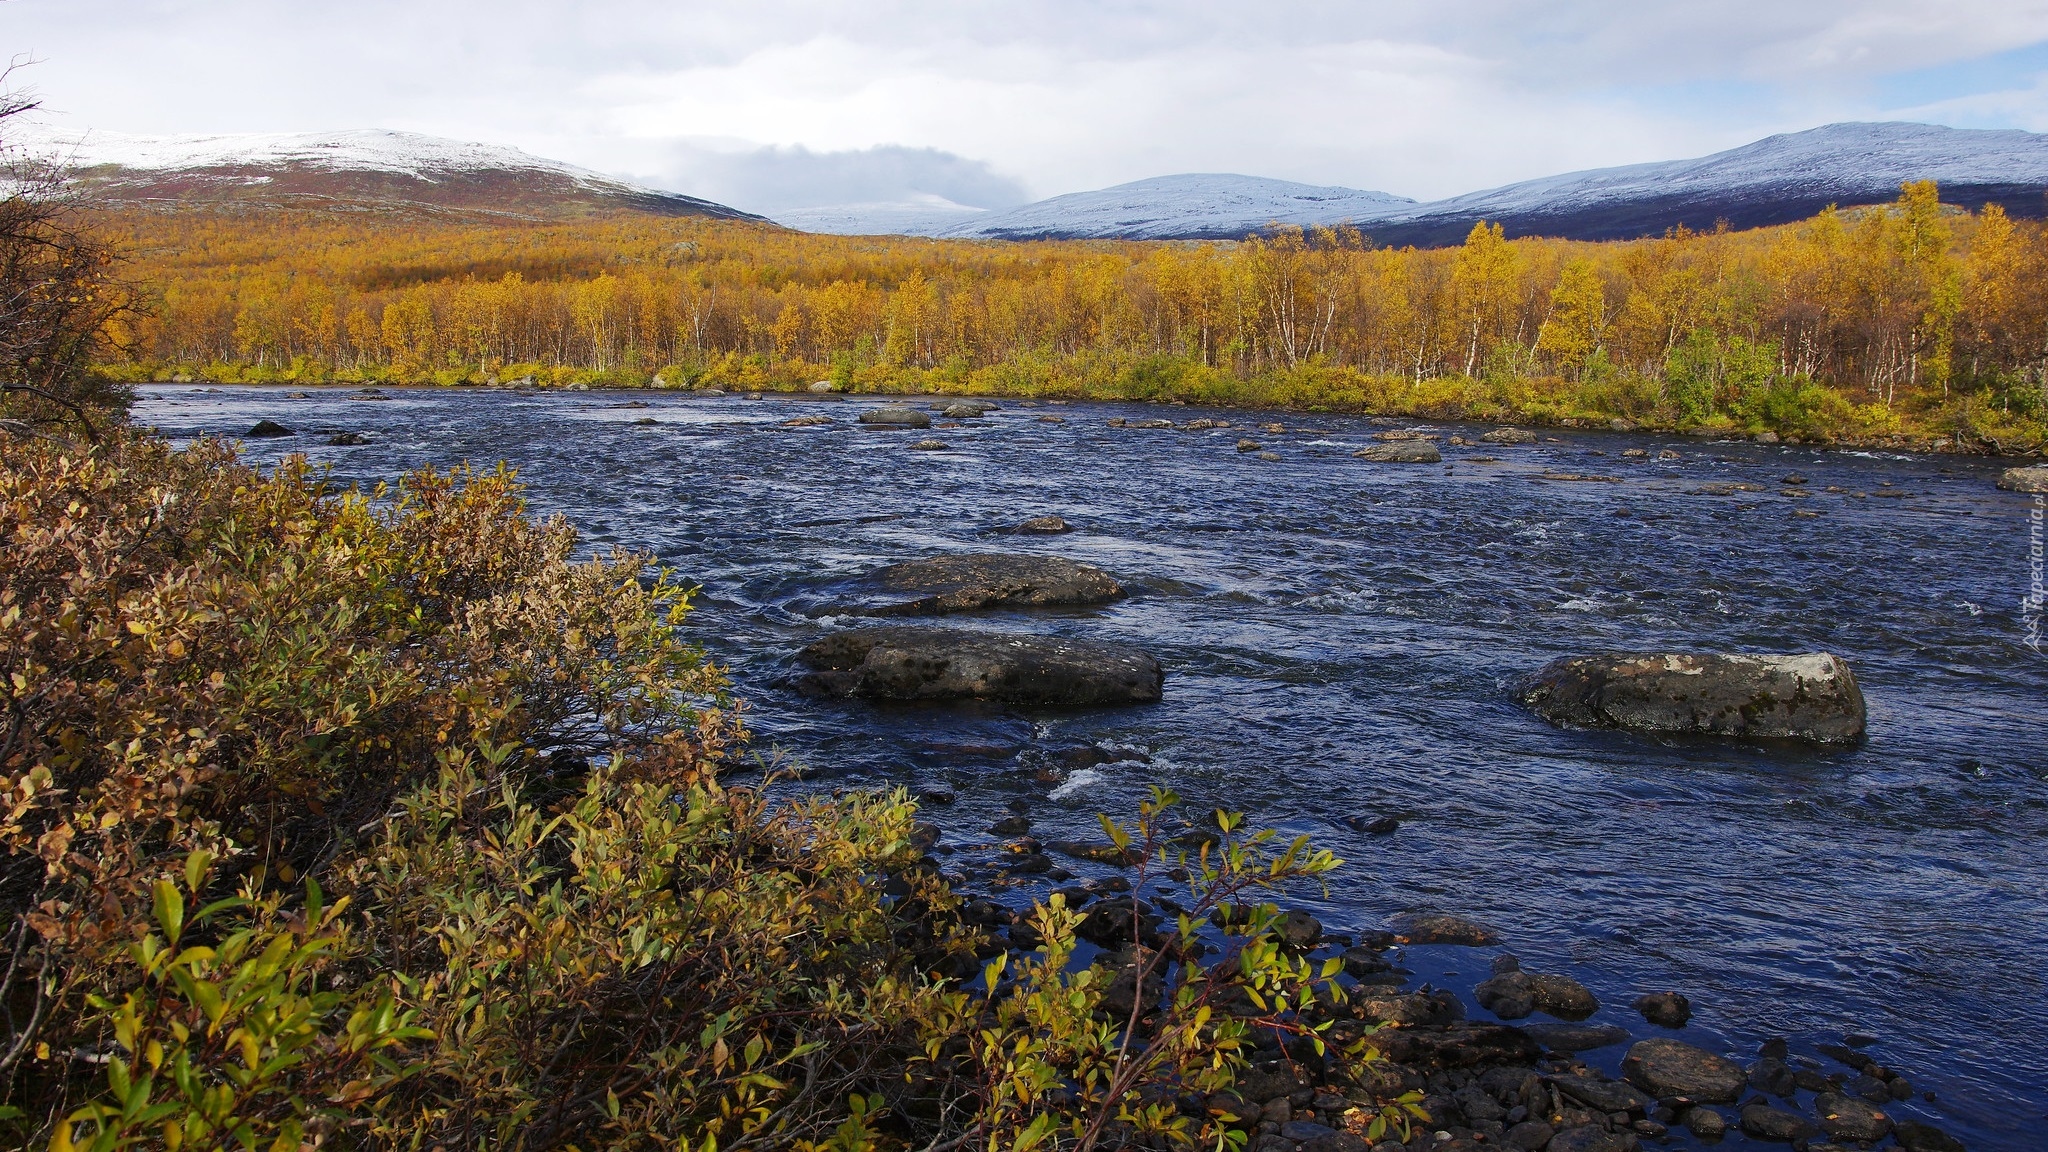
(773, 104)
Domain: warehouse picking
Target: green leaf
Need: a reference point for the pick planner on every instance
(170, 909)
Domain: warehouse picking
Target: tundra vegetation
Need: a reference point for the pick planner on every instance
(370, 820)
(1909, 320)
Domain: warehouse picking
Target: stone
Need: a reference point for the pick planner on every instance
(1274, 1081)
(1509, 436)
(1269, 456)
(1773, 1077)
(1811, 696)
(1437, 928)
(1705, 1123)
(895, 416)
(1375, 825)
(1667, 454)
(1603, 1095)
(1011, 826)
(1509, 995)
(1848, 1118)
(1766, 437)
(1249, 445)
(1919, 1136)
(1767, 1123)
(1402, 452)
(976, 581)
(1335, 1142)
(1457, 1045)
(906, 663)
(821, 386)
(966, 410)
(930, 446)
(806, 421)
(1037, 526)
(1674, 1068)
(1298, 929)
(1575, 1037)
(2030, 478)
(1476, 1105)
(1563, 997)
(347, 440)
(1305, 1130)
(1528, 1136)
(268, 430)
(1593, 1138)
(1665, 1009)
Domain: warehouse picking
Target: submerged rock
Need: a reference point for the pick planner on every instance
(1665, 1009)
(1037, 526)
(1575, 1037)
(895, 417)
(907, 663)
(993, 580)
(1402, 452)
(2032, 478)
(1811, 696)
(347, 440)
(1509, 436)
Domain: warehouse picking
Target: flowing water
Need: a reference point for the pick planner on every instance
(1341, 639)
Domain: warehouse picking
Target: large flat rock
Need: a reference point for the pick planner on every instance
(1811, 696)
(901, 662)
(991, 580)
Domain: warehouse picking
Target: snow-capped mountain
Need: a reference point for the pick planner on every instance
(1773, 181)
(1195, 206)
(368, 168)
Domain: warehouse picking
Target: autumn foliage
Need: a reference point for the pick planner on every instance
(1910, 315)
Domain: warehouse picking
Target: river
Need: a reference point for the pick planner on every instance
(1341, 638)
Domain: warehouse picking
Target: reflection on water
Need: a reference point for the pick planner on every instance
(1340, 637)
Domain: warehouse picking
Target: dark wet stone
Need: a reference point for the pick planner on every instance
(1919, 1136)
(1575, 1037)
(1454, 1046)
(1374, 825)
(1666, 1009)
(1603, 1095)
(1509, 995)
(1100, 851)
(1848, 1118)
(905, 663)
(1674, 1068)
(1338, 1142)
(1705, 1123)
(1767, 1123)
(1305, 1130)
(1563, 997)
(268, 430)
(1402, 452)
(1436, 928)
(1810, 696)
(1298, 929)
(1011, 826)
(1528, 1136)
(1271, 1081)
(347, 440)
(1773, 1077)
(895, 417)
(966, 583)
(1593, 1138)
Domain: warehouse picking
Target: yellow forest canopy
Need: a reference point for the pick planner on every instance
(1907, 297)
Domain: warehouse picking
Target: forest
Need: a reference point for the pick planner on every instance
(1912, 319)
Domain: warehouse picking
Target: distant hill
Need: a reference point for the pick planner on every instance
(1201, 206)
(358, 170)
(1773, 181)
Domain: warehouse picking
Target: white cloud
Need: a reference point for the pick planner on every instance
(804, 98)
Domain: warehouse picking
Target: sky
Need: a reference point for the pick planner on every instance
(779, 104)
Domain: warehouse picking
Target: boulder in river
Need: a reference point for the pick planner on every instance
(1037, 526)
(268, 429)
(895, 416)
(1810, 696)
(906, 663)
(1402, 452)
(1665, 1009)
(1509, 436)
(1437, 928)
(1674, 1068)
(945, 584)
(966, 410)
(2032, 478)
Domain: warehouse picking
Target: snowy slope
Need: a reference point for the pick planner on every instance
(918, 216)
(376, 166)
(1777, 179)
(1188, 207)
